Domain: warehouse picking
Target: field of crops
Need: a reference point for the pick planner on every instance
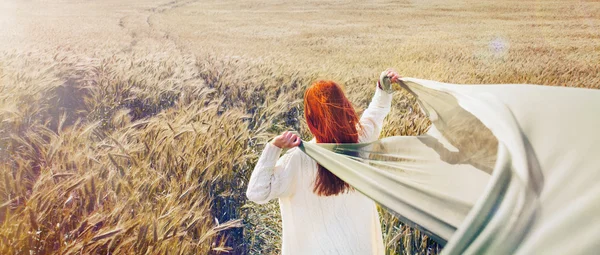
(132, 127)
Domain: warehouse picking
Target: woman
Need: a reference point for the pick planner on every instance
(321, 214)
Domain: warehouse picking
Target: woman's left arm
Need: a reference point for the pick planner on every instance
(273, 177)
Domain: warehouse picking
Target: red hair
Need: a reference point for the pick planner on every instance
(331, 119)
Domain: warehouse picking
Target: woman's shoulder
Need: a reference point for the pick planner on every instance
(297, 152)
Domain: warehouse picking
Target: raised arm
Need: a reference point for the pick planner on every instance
(372, 118)
(273, 177)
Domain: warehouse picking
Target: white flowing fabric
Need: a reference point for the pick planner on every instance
(504, 169)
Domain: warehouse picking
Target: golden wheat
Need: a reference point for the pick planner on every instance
(132, 127)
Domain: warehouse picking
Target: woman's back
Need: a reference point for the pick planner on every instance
(343, 224)
(346, 223)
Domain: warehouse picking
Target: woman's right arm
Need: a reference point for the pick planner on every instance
(372, 118)
(273, 177)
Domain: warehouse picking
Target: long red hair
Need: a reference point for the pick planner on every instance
(331, 119)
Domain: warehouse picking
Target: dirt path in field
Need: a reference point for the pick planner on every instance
(82, 24)
(464, 41)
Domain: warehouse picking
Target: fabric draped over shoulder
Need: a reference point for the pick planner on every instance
(504, 169)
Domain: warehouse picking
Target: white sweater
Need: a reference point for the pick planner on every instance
(344, 224)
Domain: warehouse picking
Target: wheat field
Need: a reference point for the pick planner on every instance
(132, 127)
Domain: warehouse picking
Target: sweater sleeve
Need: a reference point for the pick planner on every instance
(273, 177)
(372, 118)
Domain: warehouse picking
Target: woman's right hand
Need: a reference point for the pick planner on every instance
(386, 79)
(286, 140)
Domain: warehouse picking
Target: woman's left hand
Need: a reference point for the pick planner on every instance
(286, 140)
